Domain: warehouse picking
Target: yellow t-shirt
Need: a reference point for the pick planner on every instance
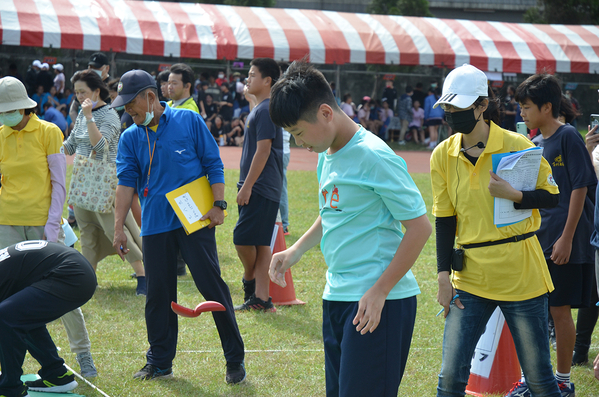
(512, 271)
(26, 191)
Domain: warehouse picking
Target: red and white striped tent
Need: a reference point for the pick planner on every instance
(226, 32)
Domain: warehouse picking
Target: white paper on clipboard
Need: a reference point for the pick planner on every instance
(189, 208)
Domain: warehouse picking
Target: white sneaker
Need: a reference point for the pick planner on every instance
(427, 140)
(402, 143)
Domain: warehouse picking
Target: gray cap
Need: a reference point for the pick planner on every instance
(13, 95)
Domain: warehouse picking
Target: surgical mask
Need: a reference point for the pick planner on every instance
(221, 76)
(94, 103)
(98, 72)
(149, 116)
(11, 119)
(434, 85)
(119, 108)
(463, 121)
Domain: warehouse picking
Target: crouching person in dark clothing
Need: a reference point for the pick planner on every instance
(39, 282)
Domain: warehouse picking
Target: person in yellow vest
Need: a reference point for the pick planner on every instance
(180, 82)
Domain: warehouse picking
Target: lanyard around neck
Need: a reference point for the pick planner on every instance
(151, 154)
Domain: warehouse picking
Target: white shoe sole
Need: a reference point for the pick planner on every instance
(56, 389)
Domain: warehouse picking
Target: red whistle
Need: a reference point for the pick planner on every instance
(146, 192)
(208, 306)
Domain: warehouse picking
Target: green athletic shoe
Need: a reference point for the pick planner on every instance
(59, 384)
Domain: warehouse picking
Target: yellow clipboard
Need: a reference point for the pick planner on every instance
(191, 202)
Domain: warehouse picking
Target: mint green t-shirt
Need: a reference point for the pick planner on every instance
(365, 192)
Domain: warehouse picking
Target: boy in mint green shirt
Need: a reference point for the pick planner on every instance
(365, 196)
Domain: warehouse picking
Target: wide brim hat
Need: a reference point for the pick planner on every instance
(13, 95)
(132, 83)
(463, 86)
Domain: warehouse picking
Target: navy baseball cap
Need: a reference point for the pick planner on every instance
(132, 83)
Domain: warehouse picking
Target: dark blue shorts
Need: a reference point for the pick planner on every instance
(371, 364)
(256, 221)
(573, 284)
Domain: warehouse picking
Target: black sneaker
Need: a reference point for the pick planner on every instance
(59, 384)
(235, 373)
(580, 357)
(149, 372)
(249, 288)
(255, 303)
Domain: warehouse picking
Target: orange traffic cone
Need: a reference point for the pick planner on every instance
(282, 296)
(495, 366)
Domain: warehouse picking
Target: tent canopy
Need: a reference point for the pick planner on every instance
(226, 32)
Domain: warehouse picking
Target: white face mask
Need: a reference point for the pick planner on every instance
(98, 72)
(221, 76)
(149, 116)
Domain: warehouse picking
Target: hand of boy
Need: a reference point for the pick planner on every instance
(243, 196)
(369, 310)
(561, 251)
(279, 264)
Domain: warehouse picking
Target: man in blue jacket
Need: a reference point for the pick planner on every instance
(165, 149)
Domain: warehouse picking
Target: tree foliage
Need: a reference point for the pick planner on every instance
(408, 8)
(567, 12)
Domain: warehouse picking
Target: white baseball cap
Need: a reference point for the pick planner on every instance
(45, 66)
(13, 95)
(463, 86)
(37, 63)
(59, 67)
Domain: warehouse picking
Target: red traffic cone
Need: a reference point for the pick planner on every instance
(495, 366)
(282, 296)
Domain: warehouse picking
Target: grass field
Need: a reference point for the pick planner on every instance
(284, 355)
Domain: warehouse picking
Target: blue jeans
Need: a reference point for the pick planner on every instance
(284, 203)
(527, 321)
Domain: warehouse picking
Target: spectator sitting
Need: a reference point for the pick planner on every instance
(213, 88)
(211, 110)
(416, 125)
(226, 103)
(55, 116)
(53, 99)
(385, 115)
(221, 78)
(348, 107)
(236, 131)
(40, 97)
(67, 97)
(219, 129)
(364, 115)
(375, 109)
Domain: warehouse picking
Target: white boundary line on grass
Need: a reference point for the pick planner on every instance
(86, 381)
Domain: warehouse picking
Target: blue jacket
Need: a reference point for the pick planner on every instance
(429, 112)
(185, 151)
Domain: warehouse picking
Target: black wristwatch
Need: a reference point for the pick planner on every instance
(222, 204)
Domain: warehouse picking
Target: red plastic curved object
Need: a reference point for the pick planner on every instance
(208, 306)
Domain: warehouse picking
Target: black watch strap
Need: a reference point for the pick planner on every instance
(222, 204)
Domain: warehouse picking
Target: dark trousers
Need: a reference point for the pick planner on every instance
(585, 324)
(370, 364)
(23, 319)
(199, 252)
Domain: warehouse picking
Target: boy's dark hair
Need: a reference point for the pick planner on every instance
(299, 94)
(268, 68)
(113, 85)
(187, 76)
(409, 89)
(346, 96)
(163, 76)
(93, 81)
(541, 88)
